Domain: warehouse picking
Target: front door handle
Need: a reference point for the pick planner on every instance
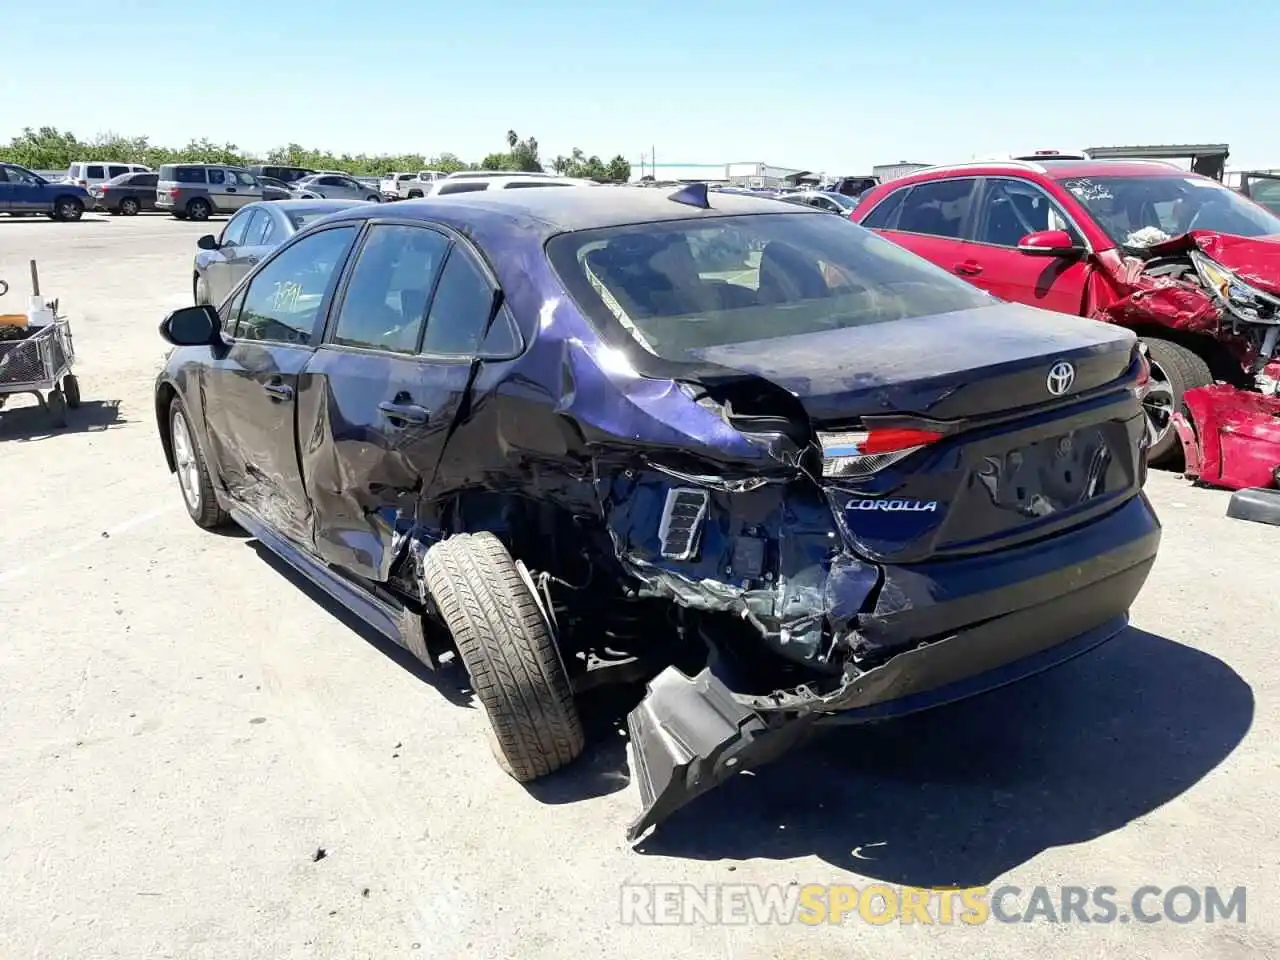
(969, 268)
(250, 259)
(406, 412)
(278, 391)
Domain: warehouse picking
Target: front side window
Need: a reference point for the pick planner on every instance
(678, 287)
(1011, 209)
(937, 208)
(386, 298)
(234, 232)
(241, 178)
(263, 231)
(1136, 212)
(284, 299)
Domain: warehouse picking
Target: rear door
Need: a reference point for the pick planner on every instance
(930, 219)
(252, 387)
(143, 188)
(1010, 208)
(382, 395)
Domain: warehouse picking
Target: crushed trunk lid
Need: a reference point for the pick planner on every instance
(969, 363)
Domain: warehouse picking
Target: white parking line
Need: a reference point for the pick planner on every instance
(87, 543)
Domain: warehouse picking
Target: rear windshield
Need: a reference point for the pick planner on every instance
(182, 174)
(677, 287)
(300, 218)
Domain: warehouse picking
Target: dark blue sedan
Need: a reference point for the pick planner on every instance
(25, 193)
(781, 468)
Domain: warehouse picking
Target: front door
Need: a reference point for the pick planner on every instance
(221, 271)
(1009, 209)
(382, 395)
(8, 191)
(253, 385)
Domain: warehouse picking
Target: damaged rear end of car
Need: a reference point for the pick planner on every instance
(861, 486)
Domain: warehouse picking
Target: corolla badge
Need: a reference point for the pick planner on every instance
(1061, 376)
(893, 506)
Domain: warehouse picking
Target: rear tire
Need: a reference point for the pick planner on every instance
(71, 390)
(198, 209)
(506, 644)
(1174, 370)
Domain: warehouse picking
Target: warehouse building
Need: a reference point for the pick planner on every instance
(751, 174)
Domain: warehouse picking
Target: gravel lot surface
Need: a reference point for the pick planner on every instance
(186, 727)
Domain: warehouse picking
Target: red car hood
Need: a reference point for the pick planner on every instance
(1255, 260)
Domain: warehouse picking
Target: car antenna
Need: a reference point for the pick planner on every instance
(692, 195)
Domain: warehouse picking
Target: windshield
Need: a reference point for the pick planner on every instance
(677, 287)
(1137, 212)
(847, 203)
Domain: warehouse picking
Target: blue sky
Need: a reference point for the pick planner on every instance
(924, 81)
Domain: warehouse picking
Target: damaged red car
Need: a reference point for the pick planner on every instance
(1189, 265)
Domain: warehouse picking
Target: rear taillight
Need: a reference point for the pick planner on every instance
(173, 191)
(1143, 382)
(860, 453)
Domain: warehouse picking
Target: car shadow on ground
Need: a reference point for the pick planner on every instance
(450, 680)
(962, 794)
(35, 423)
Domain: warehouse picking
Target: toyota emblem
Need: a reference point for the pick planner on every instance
(1061, 376)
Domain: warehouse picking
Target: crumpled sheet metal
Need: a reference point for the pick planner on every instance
(1254, 260)
(1233, 437)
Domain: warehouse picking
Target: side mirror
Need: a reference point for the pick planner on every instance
(196, 326)
(207, 242)
(1049, 243)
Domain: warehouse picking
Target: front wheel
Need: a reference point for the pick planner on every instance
(67, 209)
(1174, 370)
(506, 644)
(200, 290)
(57, 407)
(194, 481)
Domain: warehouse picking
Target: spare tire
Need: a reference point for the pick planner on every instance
(507, 646)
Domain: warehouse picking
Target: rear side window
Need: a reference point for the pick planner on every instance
(937, 208)
(182, 174)
(119, 171)
(284, 300)
(460, 308)
(386, 297)
(885, 213)
(520, 184)
(144, 179)
(93, 172)
(217, 176)
(463, 186)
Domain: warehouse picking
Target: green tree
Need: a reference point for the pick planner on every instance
(619, 169)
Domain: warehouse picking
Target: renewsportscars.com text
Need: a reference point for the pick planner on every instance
(879, 904)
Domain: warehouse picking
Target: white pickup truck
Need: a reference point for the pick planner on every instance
(408, 186)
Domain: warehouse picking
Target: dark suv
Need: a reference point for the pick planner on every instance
(701, 438)
(1183, 261)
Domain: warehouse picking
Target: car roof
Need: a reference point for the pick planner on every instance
(1063, 169)
(567, 209)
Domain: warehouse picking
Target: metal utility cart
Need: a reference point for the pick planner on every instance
(36, 357)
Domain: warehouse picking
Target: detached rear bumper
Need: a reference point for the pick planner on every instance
(689, 735)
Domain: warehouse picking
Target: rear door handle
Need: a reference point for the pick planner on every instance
(278, 391)
(970, 268)
(406, 412)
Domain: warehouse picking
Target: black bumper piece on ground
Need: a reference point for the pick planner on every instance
(1257, 504)
(691, 734)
